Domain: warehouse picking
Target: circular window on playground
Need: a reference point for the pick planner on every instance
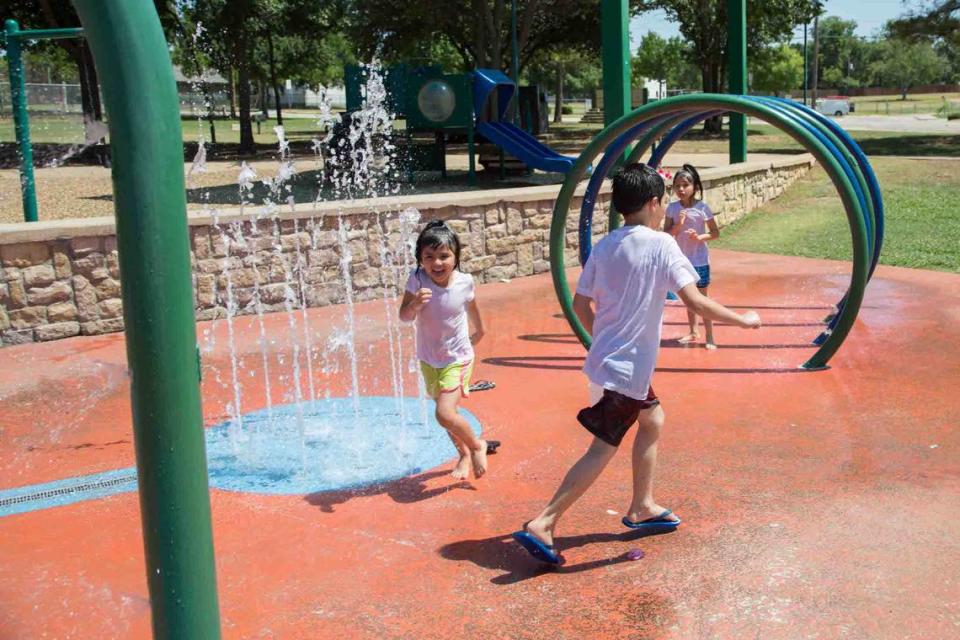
(436, 100)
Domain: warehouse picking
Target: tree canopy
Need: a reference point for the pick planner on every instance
(478, 31)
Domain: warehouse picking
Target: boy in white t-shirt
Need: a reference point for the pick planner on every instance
(626, 280)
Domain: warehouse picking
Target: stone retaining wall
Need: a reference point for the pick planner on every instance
(62, 278)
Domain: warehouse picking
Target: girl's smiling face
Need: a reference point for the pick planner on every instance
(439, 263)
(683, 188)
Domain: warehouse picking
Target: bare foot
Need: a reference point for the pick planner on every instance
(462, 470)
(711, 346)
(650, 511)
(479, 459)
(689, 338)
(538, 531)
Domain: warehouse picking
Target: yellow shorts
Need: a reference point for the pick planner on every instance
(447, 379)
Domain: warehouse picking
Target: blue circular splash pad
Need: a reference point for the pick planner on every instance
(324, 445)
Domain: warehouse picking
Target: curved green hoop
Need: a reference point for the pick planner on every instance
(684, 106)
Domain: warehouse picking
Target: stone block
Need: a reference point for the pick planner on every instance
(294, 241)
(84, 246)
(365, 277)
(98, 327)
(322, 257)
(219, 244)
(57, 292)
(57, 331)
(38, 276)
(18, 295)
(17, 336)
(113, 264)
(505, 272)
(458, 226)
(540, 221)
(61, 265)
(62, 312)
(28, 317)
(501, 245)
(496, 231)
(9, 274)
(212, 314)
(108, 288)
(86, 265)
(525, 260)
(478, 264)
(109, 244)
(25, 254)
(4, 320)
(273, 293)
(540, 266)
(85, 297)
(112, 308)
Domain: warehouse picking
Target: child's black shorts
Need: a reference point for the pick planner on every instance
(611, 418)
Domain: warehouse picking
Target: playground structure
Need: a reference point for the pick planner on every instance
(833, 148)
(465, 104)
(154, 259)
(14, 43)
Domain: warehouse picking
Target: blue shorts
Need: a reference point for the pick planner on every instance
(704, 273)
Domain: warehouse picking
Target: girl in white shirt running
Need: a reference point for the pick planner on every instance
(691, 222)
(441, 299)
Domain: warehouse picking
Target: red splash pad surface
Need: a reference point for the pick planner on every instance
(814, 504)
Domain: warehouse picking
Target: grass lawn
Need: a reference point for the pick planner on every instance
(922, 225)
(918, 103)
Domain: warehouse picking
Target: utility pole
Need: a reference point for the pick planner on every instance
(815, 69)
(805, 61)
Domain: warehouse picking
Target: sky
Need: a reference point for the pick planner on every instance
(870, 16)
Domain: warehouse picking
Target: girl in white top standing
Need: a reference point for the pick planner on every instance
(691, 222)
(440, 298)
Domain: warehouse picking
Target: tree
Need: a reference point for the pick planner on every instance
(703, 24)
(478, 30)
(238, 34)
(56, 14)
(906, 64)
(939, 19)
(564, 69)
(777, 69)
(665, 60)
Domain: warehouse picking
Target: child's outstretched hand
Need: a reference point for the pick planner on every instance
(422, 297)
(751, 320)
(693, 234)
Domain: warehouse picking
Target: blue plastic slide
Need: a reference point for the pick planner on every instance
(524, 147)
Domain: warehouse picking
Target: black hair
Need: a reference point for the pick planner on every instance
(689, 173)
(437, 234)
(633, 187)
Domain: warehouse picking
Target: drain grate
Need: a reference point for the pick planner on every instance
(68, 491)
(65, 491)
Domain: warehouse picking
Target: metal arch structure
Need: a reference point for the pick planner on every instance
(841, 157)
(136, 75)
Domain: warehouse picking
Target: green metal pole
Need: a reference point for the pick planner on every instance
(615, 32)
(133, 63)
(515, 60)
(737, 74)
(21, 121)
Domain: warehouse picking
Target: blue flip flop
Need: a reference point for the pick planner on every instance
(656, 523)
(536, 548)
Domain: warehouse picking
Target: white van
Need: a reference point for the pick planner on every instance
(833, 106)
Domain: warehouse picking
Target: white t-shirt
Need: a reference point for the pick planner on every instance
(696, 219)
(627, 276)
(443, 332)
